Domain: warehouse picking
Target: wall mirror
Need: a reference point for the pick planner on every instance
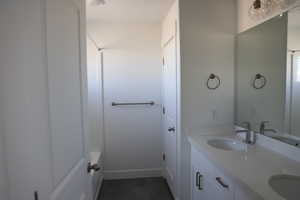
(268, 77)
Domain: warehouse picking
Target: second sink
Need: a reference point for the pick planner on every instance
(227, 144)
(286, 186)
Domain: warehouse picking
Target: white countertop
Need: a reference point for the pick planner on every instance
(252, 168)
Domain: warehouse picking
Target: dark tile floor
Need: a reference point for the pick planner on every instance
(135, 189)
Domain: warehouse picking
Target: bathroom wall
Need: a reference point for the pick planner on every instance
(132, 72)
(95, 97)
(245, 22)
(207, 46)
(294, 29)
(207, 31)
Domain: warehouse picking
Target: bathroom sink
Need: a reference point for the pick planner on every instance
(227, 144)
(286, 186)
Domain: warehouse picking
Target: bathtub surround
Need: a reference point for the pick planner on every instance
(131, 72)
(95, 97)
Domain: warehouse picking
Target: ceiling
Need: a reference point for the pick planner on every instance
(131, 11)
(294, 16)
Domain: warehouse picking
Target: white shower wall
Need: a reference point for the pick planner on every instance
(95, 97)
(132, 72)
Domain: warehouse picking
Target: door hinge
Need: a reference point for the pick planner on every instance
(36, 195)
(164, 157)
(164, 110)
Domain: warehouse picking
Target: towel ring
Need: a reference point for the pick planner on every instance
(263, 83)
(213, 77)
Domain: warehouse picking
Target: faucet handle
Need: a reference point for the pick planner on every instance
(247, 124)
(265, 122)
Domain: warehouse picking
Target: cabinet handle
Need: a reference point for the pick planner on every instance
(199, 186)
(171, 129)
(36, 195)
(198, 180)
(219, 180)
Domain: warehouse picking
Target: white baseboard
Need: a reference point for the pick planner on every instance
(132, 173)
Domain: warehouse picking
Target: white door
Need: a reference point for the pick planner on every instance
(65, 67)
(170, 113)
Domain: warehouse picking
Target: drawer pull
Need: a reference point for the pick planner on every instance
(36, 195)
(198, 180)
(219, 180)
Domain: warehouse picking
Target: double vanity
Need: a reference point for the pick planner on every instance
(260, 157)
(224, 166)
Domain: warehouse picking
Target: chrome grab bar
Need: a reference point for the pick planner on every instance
(151, 103)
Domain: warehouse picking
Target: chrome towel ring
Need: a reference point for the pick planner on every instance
(259, 82)
(211, 78)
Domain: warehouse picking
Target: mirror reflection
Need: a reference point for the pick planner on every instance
(268, 78)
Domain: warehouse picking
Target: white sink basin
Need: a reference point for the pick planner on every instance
(227, 144)
(286, 186)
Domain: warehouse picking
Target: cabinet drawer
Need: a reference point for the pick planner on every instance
(214, 184)
(224, 185)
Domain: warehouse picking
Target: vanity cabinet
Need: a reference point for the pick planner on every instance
(207, 182)
(202, 187)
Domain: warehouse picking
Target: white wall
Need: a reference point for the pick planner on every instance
(207, 31)
(132, 71)
(207, 46)
(245, 22)
(95, 108)
(293, 38)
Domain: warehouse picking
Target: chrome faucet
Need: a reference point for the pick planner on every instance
(247, 131)
(262, 128)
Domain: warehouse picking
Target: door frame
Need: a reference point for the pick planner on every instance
(84, 84)
(176, 37)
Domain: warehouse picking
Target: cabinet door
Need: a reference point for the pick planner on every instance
(202, 186)
(195, 190)
(207, 182)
